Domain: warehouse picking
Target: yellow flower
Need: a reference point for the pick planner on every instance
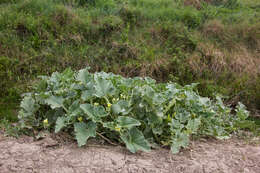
(109, 105)
(169, 118)
(118, 128)
(45, 122)
(173, 115)
(80, 119)
(96, 104)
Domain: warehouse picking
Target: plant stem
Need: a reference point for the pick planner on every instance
(65, 108)
(106, 139)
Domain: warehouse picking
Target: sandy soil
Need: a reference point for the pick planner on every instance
(49, 155)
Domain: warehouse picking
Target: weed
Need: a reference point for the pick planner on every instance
(9, 129)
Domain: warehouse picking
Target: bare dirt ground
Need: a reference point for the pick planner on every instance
(48, 155)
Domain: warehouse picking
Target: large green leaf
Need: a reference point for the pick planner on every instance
(87, 95)
(193, 125)
(29, 105)
(60, 123)
(74, 108)
(127, 122)
(83, 131)
(95, 113)
(53, 114)
(134, 140)
(155, 122)
(153, 118)
(109, 125)
(84, 76)
(89, 91)
(176, 124)
(103, 87)
(183, 116)
(241, 111)
(55, 101)
(54, 80)
(158, 99)
(178, 141)
(121, 107)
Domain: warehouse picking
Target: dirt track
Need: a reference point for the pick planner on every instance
(26, 155)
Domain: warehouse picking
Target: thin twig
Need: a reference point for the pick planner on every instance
(106, 139)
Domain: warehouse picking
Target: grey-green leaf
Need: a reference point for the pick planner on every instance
(121, 107)
(84, 76)
(75, 109)
(134, 140)
(193, 125)
(83, 131)
(241, 111)
(176, 124)
(127, 122)
(95, 113)
(178, 141)
(87, 94)
(55, 101)
(103, 87)
(29, 105)
(110, 125)
(60, 123)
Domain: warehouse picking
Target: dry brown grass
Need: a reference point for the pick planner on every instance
(125, 50)
(244, 61)
(233, 36)
(196, 3)
(207, 57)
(158, 68)
(213, 28)
(211, 58)
(64, 16)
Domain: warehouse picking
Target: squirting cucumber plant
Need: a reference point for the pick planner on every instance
(135, 111)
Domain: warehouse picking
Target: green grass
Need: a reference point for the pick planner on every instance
(9, 112)
(216, 45)
(256, 120)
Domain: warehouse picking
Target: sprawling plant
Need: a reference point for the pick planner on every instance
(136, 111)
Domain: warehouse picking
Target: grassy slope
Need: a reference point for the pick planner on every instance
(215, 43)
